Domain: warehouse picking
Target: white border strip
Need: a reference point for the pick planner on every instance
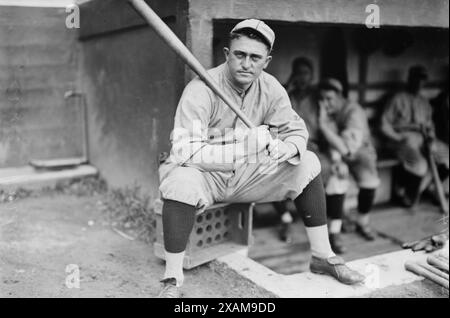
(390, 268)
(37, 3)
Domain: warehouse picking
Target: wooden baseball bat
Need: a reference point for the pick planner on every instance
(438, 183)
(166, 34)
(434, 172)
(418, 270)
(436, 262)
(435, 270)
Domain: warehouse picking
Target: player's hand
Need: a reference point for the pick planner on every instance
(340, 169)
(428, 244)
(257, 139)
(281, 151)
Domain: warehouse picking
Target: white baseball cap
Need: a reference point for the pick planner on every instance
(260, 27)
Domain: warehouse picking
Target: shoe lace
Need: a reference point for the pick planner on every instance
(170, 290)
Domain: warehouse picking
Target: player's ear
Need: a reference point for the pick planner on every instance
(268, 60)
(226, 52)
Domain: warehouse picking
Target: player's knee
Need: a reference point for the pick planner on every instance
(312, 162)
(336, 185)
(368, 180)
(183, 184)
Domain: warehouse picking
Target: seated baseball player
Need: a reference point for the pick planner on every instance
(406, 116)
(345, 148)
(215, 158)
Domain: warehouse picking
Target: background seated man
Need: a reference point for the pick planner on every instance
(406, 115)
(303, 97)
(210, 163)
(345, 148)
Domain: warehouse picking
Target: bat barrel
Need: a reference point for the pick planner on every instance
(417, 269)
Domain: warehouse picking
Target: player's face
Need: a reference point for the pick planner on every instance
(331, 100)
(303, 77)
(246, 59)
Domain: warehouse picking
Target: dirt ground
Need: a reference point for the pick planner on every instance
(40, 237)
(420, 289)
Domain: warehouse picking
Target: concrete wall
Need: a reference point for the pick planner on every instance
(39, 60)
(132, 81)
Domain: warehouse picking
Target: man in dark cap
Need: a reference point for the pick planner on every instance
(405, 117)
(340, 136)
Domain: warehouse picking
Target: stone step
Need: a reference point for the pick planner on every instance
(29, 178)
(40, 144)
(381, 271)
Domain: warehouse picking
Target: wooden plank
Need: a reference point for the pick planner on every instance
(58, 163)
(393, 85)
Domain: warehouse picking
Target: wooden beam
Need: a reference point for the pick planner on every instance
(390, 85)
